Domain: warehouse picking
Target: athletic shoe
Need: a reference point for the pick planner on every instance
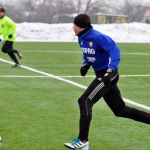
(19, 54)
(77, 145)
(16, 66)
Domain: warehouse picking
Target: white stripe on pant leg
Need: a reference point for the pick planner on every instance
(86, 107)
(96, 90)
(114, 77)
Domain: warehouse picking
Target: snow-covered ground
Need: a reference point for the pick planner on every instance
(132, 32)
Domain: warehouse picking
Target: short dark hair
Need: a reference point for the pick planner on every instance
(82, 21)
(2, 9)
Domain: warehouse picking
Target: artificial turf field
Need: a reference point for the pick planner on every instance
(41, 113)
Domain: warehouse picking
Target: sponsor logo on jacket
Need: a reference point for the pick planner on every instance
(91, 59)
(88, 50)
(91, 43)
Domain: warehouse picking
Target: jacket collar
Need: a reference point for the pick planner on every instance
(84, 32)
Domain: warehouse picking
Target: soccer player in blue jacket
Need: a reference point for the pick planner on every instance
(102, 53)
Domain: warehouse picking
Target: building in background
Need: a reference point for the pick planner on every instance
(146, 17)
(100, 18)
(97, 18)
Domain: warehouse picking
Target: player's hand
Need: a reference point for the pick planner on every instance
(10, 36)
(109, 76)
(84, 70)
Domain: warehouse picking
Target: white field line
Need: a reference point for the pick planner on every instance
(122, 76)
(77, 52)
(22, 76)
(136, 104)
(71, 82)
(145, 54)
(46, 74)
(88, 76)
(52, 51)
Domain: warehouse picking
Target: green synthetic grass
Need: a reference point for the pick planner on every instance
(42, 113)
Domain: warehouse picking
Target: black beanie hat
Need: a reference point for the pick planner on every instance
(2, 10)
(82, 21)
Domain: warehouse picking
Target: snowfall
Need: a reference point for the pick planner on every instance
(40, 32)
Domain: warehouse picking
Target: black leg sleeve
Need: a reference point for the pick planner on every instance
(8, 48)
(13, 57)
(93, 93)
(115, 102)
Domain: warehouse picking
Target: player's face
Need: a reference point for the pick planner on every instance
(77, 29)
(2, 14)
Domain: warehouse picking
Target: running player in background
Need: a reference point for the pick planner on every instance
(7, 30)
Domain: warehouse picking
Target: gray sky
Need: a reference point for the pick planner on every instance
(14, 2)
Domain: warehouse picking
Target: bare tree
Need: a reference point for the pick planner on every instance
(131, 8)
(89, 5)
(78, 6)
(48, 10)
(100, 6)
(45, 11)
(83, 6)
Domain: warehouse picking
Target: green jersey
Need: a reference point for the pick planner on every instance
(7, 27)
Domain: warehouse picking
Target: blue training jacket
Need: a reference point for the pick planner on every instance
(99, 50)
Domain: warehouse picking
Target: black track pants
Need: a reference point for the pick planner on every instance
(8, 48)
(112, 96)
